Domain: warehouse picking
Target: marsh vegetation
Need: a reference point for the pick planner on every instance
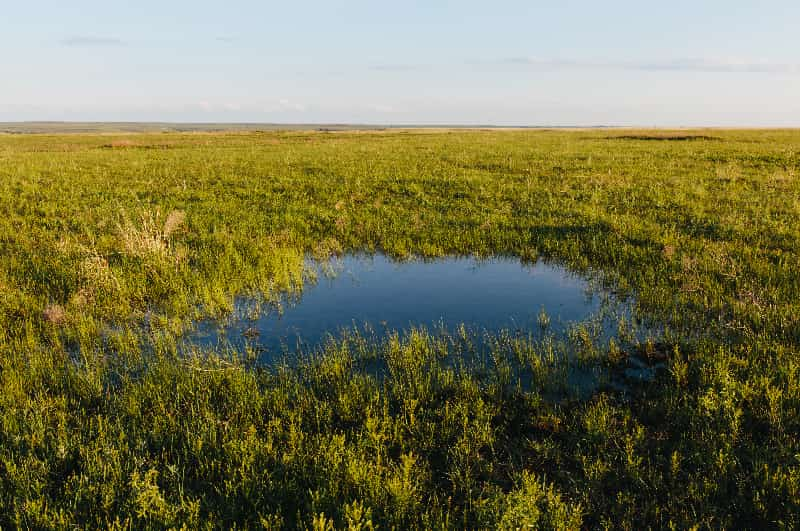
(115, 246)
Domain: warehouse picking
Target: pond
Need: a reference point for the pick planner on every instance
(378, 295)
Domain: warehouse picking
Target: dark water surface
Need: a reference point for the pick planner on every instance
(378, 294)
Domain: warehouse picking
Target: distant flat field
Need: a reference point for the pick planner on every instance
(154, 127)
(145, 127)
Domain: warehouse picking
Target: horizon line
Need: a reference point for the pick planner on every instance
(88, 126)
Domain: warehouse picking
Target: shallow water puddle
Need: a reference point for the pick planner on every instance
(378, 294)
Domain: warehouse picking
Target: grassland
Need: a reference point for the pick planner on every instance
(112, 244)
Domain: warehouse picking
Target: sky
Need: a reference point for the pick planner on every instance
(676, 63)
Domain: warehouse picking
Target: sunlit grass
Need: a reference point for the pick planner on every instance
(113, 244)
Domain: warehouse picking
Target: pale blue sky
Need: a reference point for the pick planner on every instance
(460, 62)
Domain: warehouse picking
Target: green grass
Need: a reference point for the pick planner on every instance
(112, 244)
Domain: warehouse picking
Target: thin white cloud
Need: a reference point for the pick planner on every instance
(91, 41)
(716, 65)
(397, 67)
(675, 65)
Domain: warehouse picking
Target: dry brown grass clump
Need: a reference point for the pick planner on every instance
(174, 220)
(54, 314)
(150, 237)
